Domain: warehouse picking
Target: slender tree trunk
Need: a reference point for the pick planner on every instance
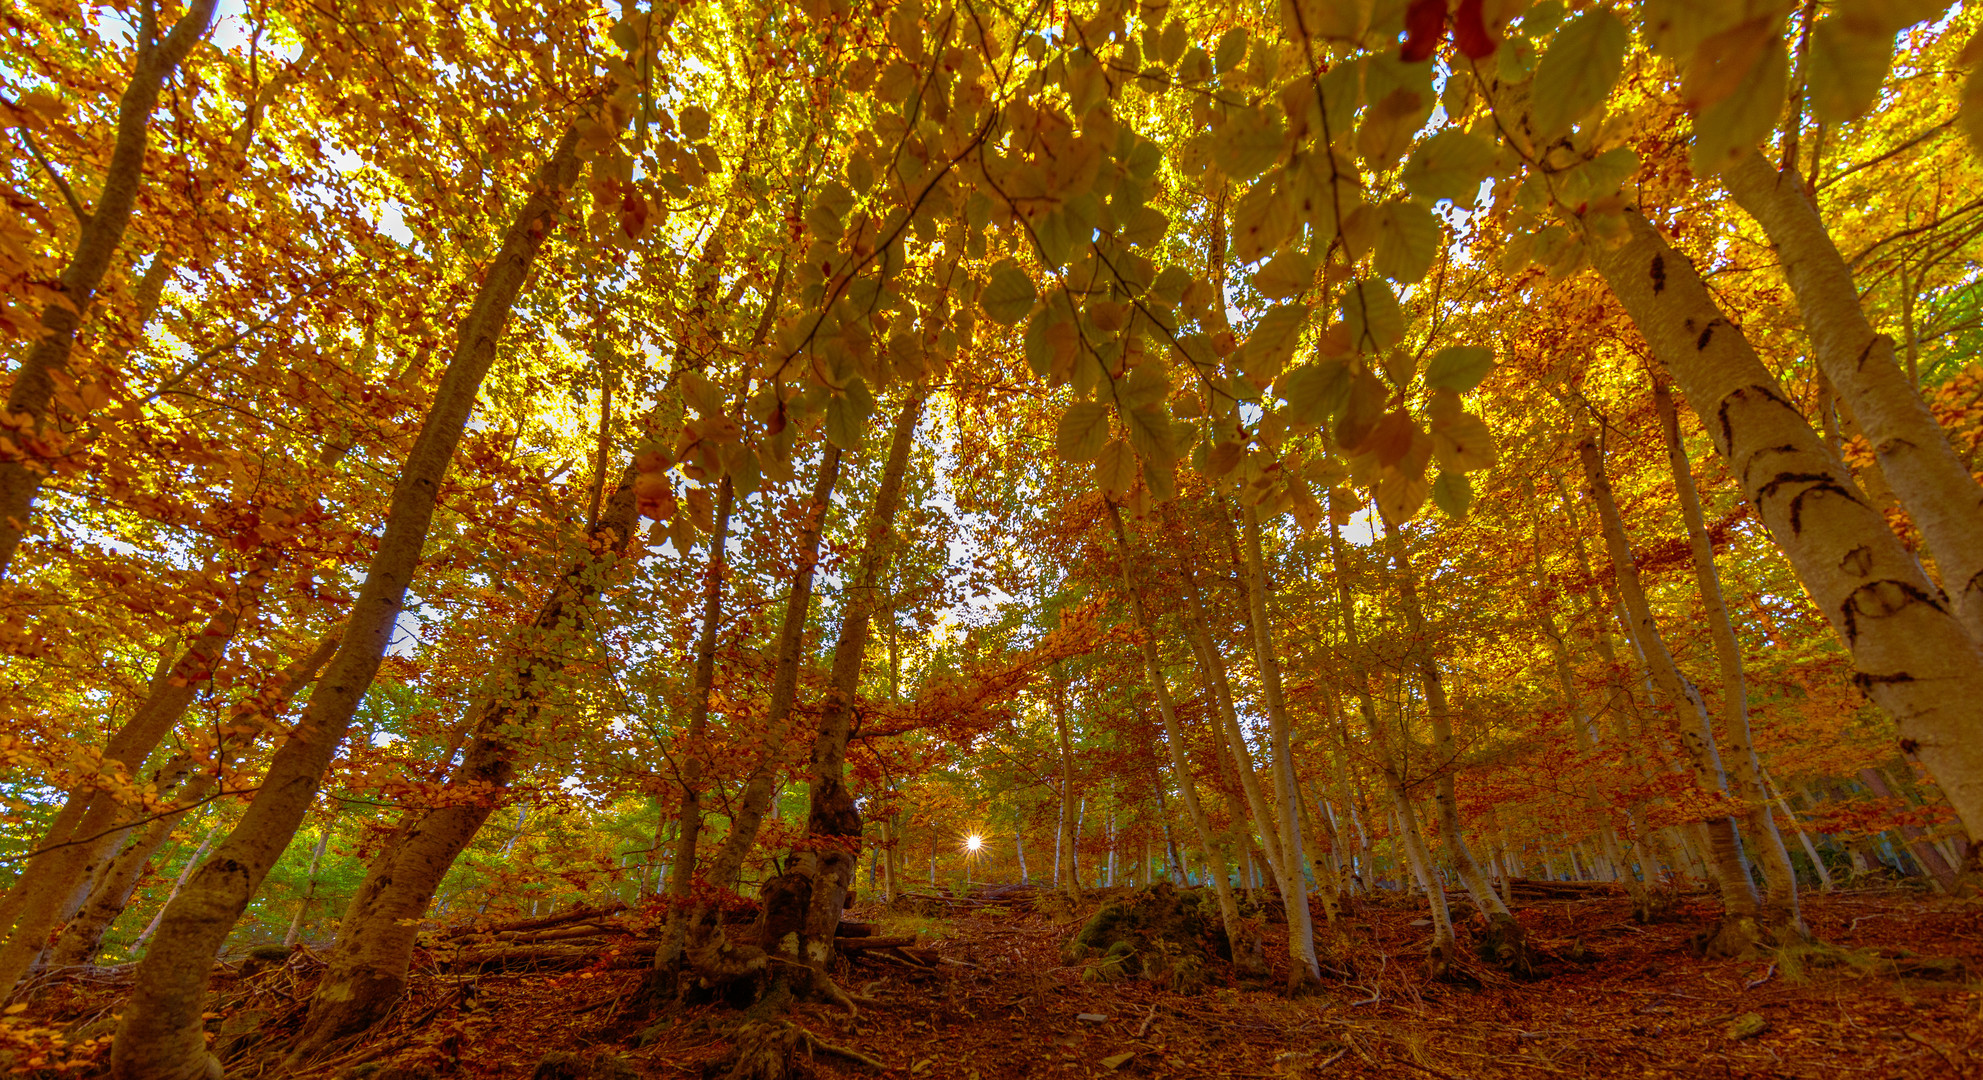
(1245, 946)
(1440, 957)
(1910, 447)
(803, 905)
(1810, 849)
(1691, 722)
(23, 468)
(1072, 878)
(159, 1036)
(84, 835)
(82, 938)
(309, 890)
(1444, 795)
(1915, 840)
(1911, 655)
(185, 872)
(1304, 972)
(763, 781)
(1782, 896)
(681, 880)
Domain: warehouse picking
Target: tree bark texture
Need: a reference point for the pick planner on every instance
(1910, 653)
(1245, 945)
(160, 1036)
(1914, 455)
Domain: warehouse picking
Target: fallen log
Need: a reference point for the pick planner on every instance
(540, 922)
(861, 944)
(554, 957)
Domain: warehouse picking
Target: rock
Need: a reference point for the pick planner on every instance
(1746, 1026)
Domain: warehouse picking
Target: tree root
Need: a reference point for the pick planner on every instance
(1733, 937)
(768, 1050)
(1506, 945)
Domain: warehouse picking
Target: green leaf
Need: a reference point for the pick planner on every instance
(1463, 444)
(1729, 130)
(1372, 315)
(1115, 468)
(1316, 392)
(1278, 332)
(1459, 368)
(1009, 295)
(1849, 61)
(1452, 493)
(1285, 276)
(1150, 432)
(1407, 241)
(1231, 51)
(1449, 165)
(1084, 427)
(1582, 65)
(847, 416)
(1145, 226)
(1251, 142)
(1147, 385)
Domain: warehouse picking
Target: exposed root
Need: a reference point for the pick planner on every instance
(1734, 937)
(769, 1050)
(1506, 945)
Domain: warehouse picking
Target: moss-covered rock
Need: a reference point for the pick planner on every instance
(1161, 933)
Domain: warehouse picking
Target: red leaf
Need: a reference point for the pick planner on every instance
(1425, 25)
(1470, 32)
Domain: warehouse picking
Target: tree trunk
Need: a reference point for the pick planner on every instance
(1245, 945)
(47, 360)
(309, 890)
(681, 880)
(763, 782)
(1911, 449)
(82, 938)
(84, 834)
(1439, 957)
(185, 872)
(1916, 841)
(1690, 721)
(1782, 896)
(1304, 972)
(159, 1036)
(1910, 654)
(1062, 839)
(1444, 795)
(804, 904)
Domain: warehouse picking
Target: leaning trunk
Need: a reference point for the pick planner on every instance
(1911, 449)
(1245, 945)
(1747, 770)
(1910, 654)
(160, 1036)
(1690, 718)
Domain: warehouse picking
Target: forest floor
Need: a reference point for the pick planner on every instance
(1002, 1001)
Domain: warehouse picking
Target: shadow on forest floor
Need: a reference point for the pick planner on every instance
(1002, 1000)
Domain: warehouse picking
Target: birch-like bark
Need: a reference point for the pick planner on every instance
(1910, 654)
(1912, 451)
(1407, 832)
(160, 1035)
(1304, 972)
(1069, 877)
(47, 360)
(1782, 896)
(1246, 949)
(1437, 706)
(1691, 722)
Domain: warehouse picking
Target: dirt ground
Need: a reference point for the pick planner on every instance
(1004, 1002)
